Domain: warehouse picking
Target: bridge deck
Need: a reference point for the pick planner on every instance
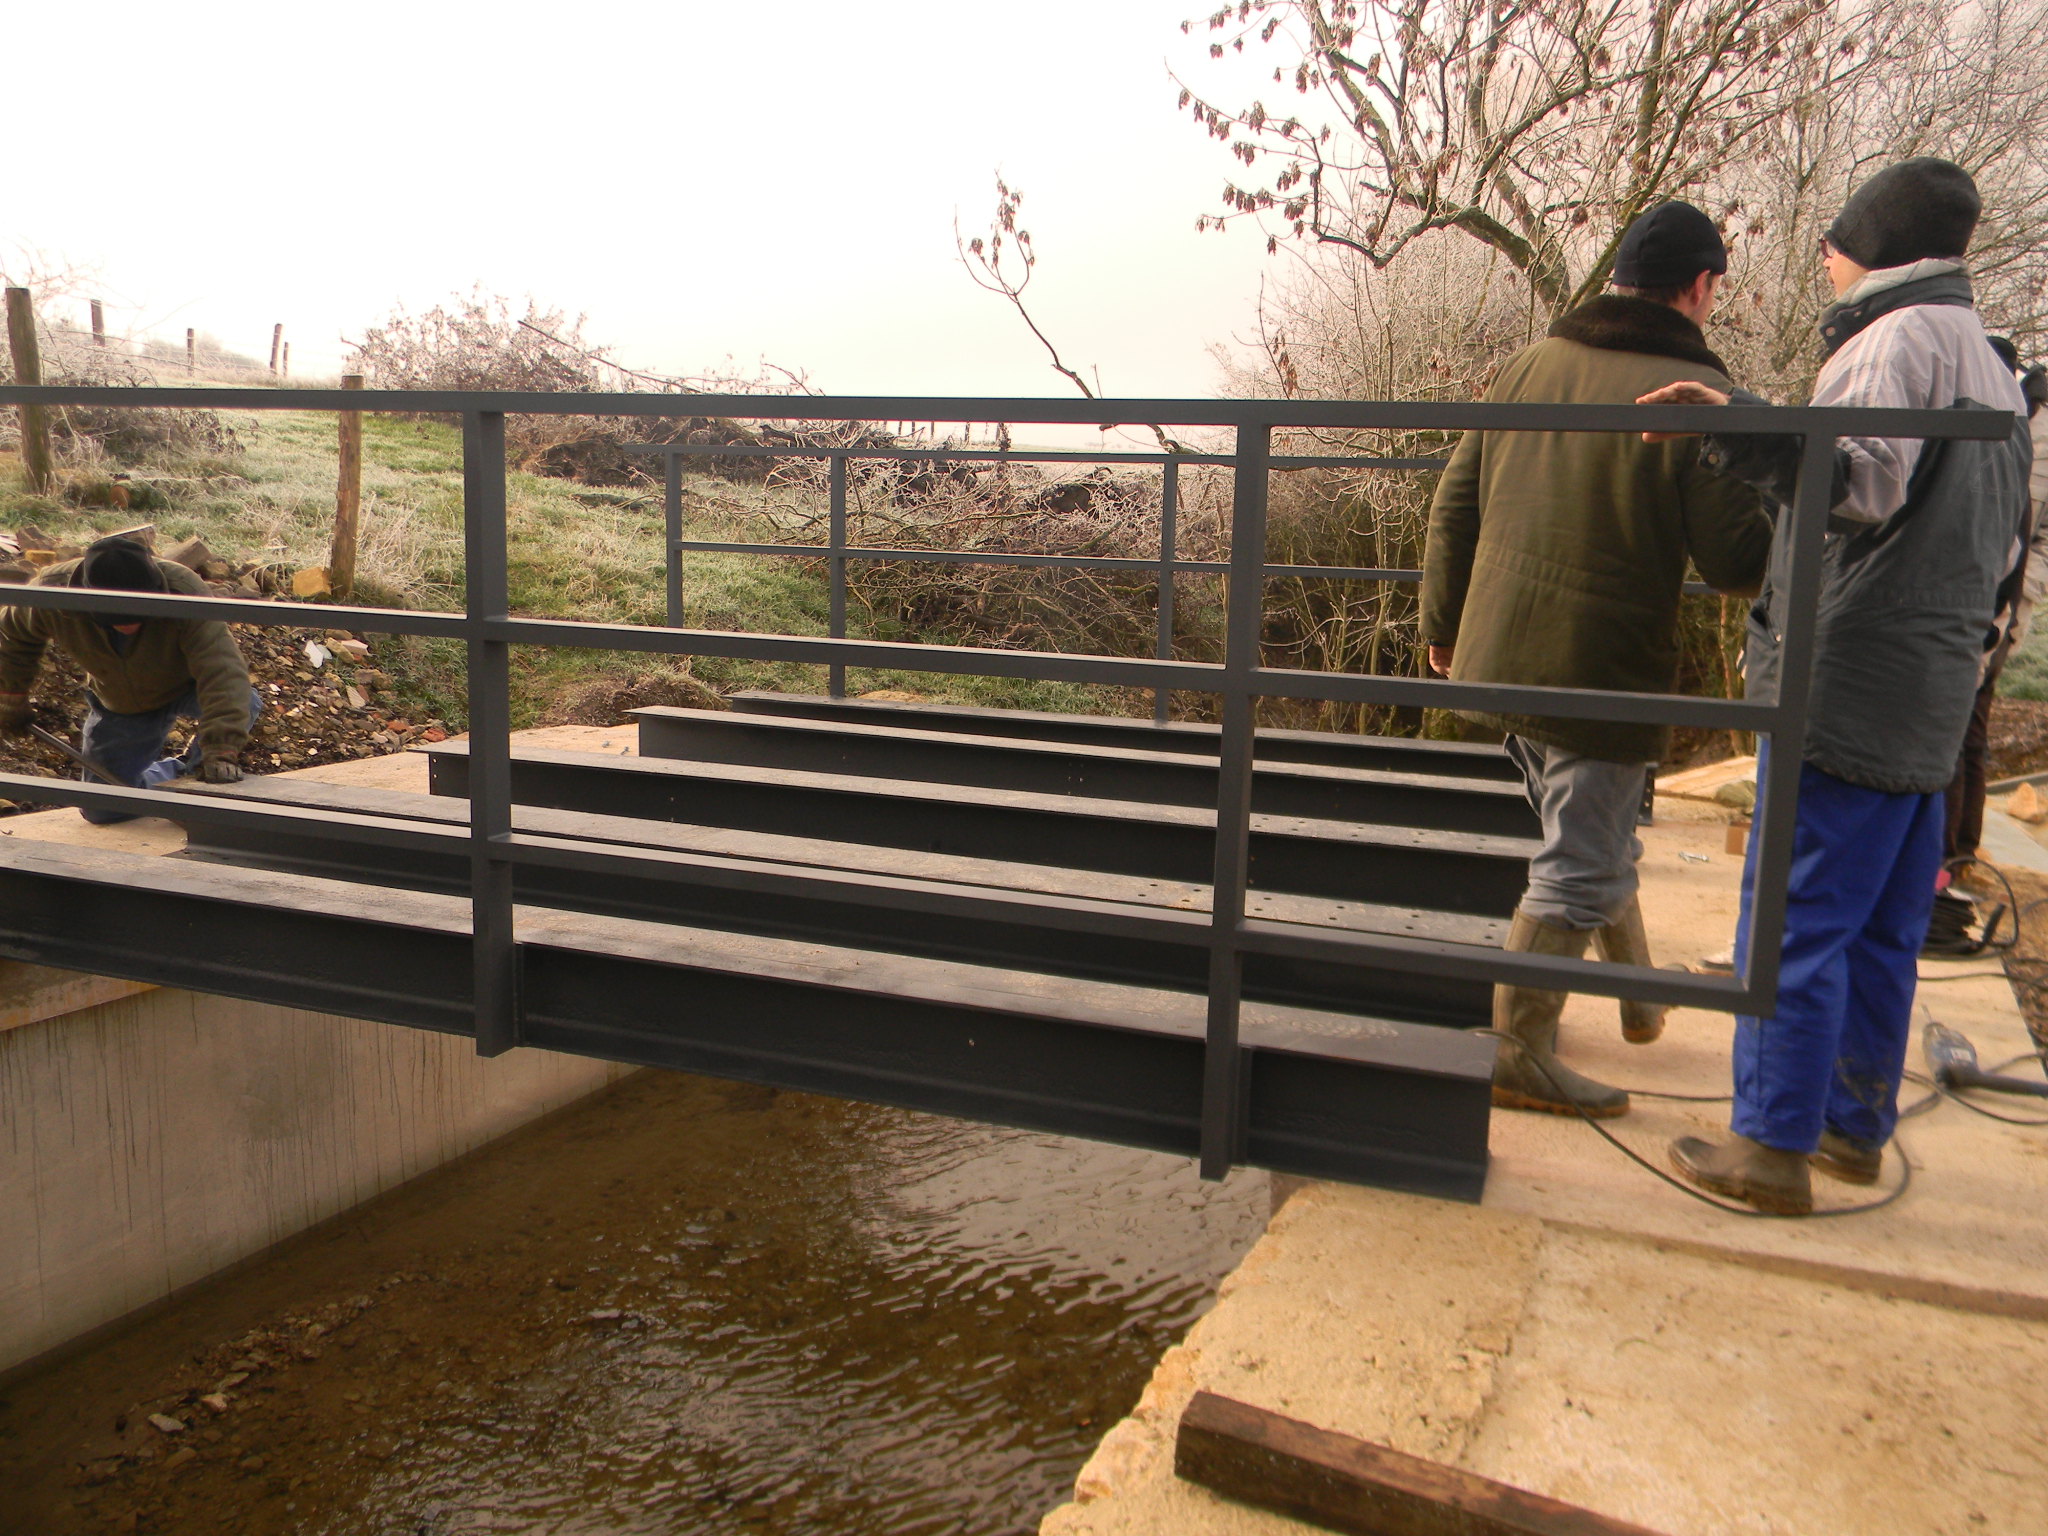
(1332, 1095)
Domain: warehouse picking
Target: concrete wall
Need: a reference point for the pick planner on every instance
(149, 1138)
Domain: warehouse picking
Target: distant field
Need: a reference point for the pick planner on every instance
(577, 553)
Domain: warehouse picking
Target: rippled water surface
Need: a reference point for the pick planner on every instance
(695, 1306)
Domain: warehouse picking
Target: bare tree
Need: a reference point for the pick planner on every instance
(1538, 128)
(1399, 297)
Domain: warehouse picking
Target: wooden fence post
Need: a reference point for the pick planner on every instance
(191, 352)
(348, 500)
(276, 341)
(28, 369)
(99, 325)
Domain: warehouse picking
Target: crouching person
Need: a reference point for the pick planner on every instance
(1920, 538)
(141, 675)
(1557, 559)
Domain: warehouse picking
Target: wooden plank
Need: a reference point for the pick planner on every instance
(1344, 1484)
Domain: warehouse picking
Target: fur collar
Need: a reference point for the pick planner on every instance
(1615, 322)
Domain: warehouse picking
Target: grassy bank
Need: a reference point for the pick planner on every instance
(576, 553)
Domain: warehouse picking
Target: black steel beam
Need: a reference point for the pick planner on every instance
(1387, 754)
(1332, 1095)
(1060, 768)
(1067, 933)
(1405, 866)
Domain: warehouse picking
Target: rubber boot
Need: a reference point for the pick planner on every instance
(1765, 1177)
(1851, 1161)
(1526, 1072)
(1624, 942)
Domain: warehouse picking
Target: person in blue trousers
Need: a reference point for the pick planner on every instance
(141, 675)
(1922, 538)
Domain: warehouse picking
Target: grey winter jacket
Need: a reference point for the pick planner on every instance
(1907, 602)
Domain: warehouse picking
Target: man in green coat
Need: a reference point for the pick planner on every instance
(141, 675)
(1557, 559)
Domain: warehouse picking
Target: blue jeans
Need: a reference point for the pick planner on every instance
(1585, 872)
(130, 747)
(1860, 892)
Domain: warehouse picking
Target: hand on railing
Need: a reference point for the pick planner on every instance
(1684, 393)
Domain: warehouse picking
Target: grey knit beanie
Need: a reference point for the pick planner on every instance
(1908, 212)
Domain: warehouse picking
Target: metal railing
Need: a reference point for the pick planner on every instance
(489, 630)
(836, 552)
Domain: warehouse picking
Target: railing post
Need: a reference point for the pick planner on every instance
(1223, 1085)
(1779, 792)
(1169, 544)
(493, 947)
(672, 533)
(835, 561)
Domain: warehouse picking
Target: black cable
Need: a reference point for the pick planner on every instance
(1905, 1163)
(1942, 1091)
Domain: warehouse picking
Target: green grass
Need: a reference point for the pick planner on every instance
(2026, 670)
(576, 553)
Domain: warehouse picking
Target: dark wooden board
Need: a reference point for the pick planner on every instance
(1344, 1484)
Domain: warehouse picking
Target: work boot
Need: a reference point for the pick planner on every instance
(1624, 942)
(1526, 1071)
(1749, 1171)
(1845, 1158)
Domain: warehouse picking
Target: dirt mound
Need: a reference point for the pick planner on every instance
(608, 701)
(2019, 737)
(325, 713)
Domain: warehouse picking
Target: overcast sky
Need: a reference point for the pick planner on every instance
(702, 179)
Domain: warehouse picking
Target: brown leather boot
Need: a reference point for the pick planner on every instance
(1625, 942)
(1765, 1177)
(1840, 1157)
(1527, 1073)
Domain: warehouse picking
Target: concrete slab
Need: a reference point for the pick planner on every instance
(1978, 1213)
(1592, 1334)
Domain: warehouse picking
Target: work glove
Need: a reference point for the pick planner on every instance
(14, 712)
(221, 770)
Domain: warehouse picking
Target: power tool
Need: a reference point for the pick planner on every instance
(1953, 1060)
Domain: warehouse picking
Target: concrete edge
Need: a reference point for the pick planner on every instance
(56, 1354)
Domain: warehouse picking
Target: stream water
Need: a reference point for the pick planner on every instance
(683, 1306)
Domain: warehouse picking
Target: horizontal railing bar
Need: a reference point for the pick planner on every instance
(1114, 562)
(743, 645)
(180, 605)
(1517, 699)
(1431, 693)
(1210, 677)
(1795, 421)
(1012, 455)
(1439, 957)
(945, 556)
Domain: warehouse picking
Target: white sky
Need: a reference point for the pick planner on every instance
(704, 180)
